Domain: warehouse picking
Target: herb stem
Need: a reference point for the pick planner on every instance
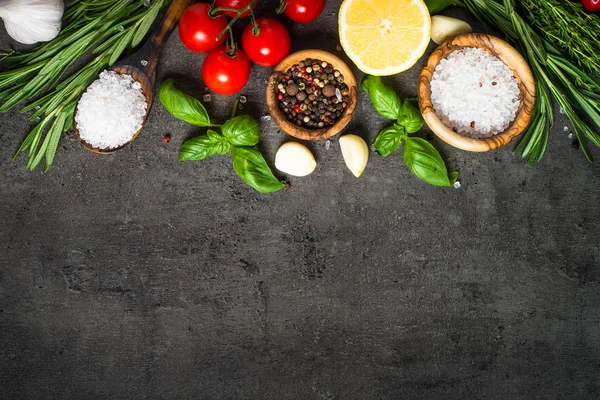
(108, 28)
(556, 76)
(239, 12)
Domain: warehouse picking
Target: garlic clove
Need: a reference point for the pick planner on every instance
(295, 159)
(355, 152)
(444, 28)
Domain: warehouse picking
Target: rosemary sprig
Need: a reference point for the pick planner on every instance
(109, 27)
(557, 77)
(566, 25)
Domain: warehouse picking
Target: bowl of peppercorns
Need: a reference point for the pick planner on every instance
(312, 95)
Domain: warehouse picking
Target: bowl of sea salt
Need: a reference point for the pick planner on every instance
(112, 111)
(476, 92)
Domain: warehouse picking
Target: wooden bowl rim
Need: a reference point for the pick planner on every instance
(513, 60)
(302, 132)
(147, 91)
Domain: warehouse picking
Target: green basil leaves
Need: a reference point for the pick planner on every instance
(204, 146)
(182, 106)
(242, 131)
(410, 116)
(419, 155)
(251, 166)
(389, 105)
(220, 144)
(238, 135)
(389, 140)
(426, 163)
(385, 100)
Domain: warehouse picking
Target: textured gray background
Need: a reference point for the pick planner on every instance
(133, 276)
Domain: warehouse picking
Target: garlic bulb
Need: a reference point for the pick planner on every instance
(31, 21)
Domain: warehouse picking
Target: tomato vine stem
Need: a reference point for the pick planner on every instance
(215, 10)
(231, 46)
(282, 6)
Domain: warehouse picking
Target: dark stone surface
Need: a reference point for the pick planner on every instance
(133, 276)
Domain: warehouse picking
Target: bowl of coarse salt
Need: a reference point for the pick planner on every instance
(476, 92)
(113, 110)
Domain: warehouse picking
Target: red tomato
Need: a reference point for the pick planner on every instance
(270, 46)
(591, 5)
(224, 74)
(304, 10)
(198, 30)
(237, 4)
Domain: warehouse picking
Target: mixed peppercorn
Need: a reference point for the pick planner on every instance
(313, 94)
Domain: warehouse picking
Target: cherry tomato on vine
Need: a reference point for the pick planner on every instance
(270, 46)
(225, 74)
(303, 10)
(198, 30)
(236, 4)
(591, 5)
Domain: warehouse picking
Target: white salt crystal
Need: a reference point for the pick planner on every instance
(474, 93)
(111, 111)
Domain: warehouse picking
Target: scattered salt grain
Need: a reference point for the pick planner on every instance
(338, 95)
(570, 136)
(474, 93)
(207, 98)
(111, 111)
(457, 185)
(566, 129)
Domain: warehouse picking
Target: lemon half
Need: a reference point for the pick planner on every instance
(384, 37)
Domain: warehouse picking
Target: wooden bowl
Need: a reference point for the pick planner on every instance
(148, 91)
(512, 59)
(147, 56)
(301, 132)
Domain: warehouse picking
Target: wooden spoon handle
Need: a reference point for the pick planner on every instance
(159, 38)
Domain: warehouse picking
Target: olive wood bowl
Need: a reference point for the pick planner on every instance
(301, 132)
(511, 57)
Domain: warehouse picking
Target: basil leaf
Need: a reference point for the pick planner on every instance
(389, 140)
(425, 162)
(251, 166)
(385, 100)
(242, 131)
(435, 6)
(182, 106)
(222, 146)
(410, 116)
(198, 148)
